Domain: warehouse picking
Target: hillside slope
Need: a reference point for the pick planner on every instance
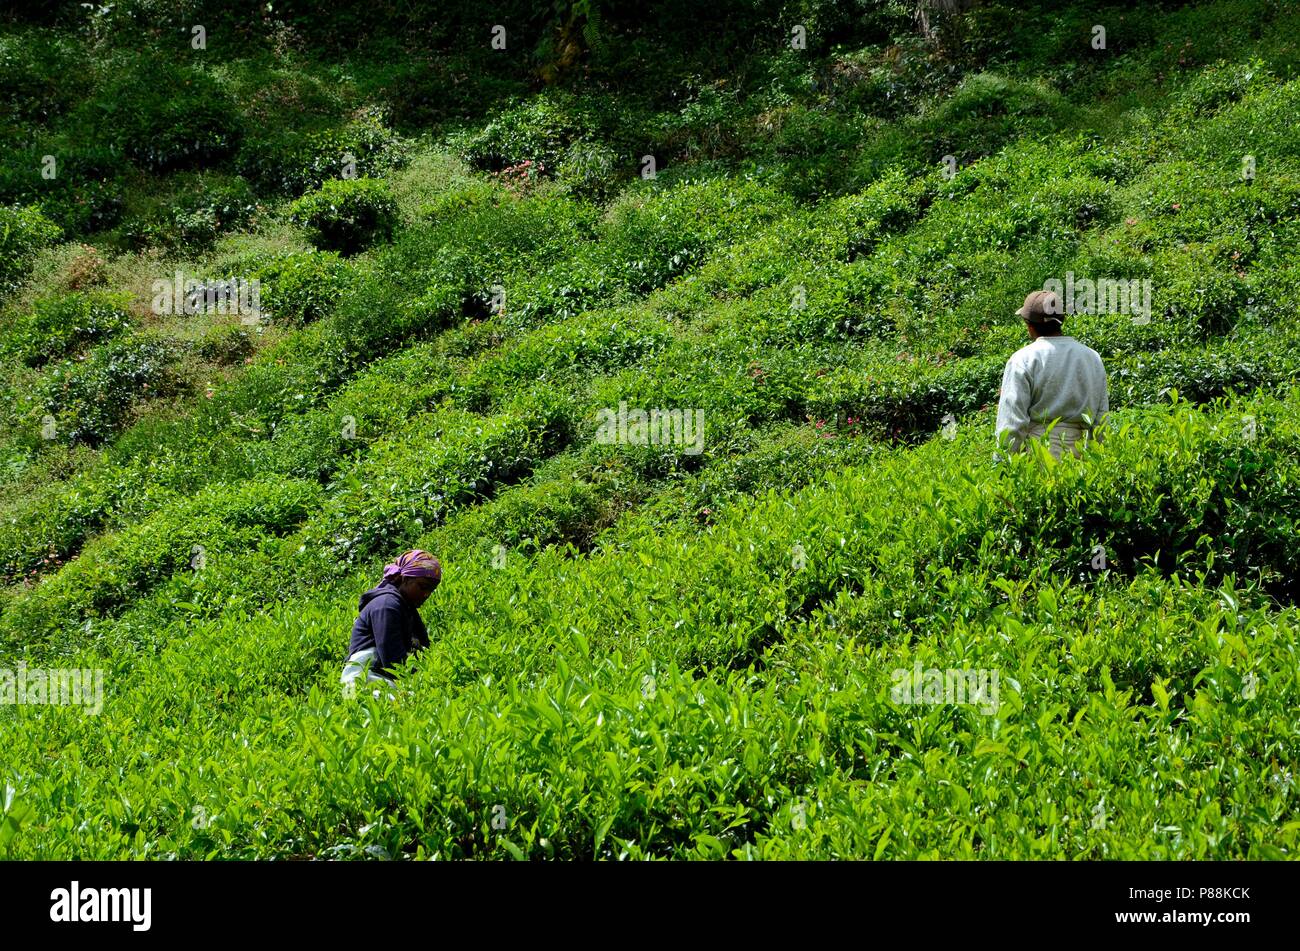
(645, 650)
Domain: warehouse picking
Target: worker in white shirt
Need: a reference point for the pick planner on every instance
(1054, 378)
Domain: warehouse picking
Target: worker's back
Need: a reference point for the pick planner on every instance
(1055, 377)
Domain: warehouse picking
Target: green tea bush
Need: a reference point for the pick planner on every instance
(483, 233)
(1258, 119)
(92, 399)
(299, 287)
(285, 378)
(1196, 295)
(814, 153)
(825, 303)
(23, 232)
(93, 206)
(347, 216)
(225, 581)
(527, 518)
(59, 326)
(226, 344)
(212, 208)
(380, 316)
(434, 464)
(907, 399)
(292, 162)
(41, 76)
(119, 567)
(375, 403)
(1063, 35)
(298, 371)
(565, 289)
(814, 723)
(1182, 203)
(590, 170)
(784, 458)
(1216, 499)
(1217, 86)
(888, 206)
(84, 194)
(982, 95)
(1200, 374)
(47, 526)
(649, 237)
(536, 250)
(163, 116)
(597, 342)
(723, 374)
(639, 652)
(537, 130)
(659, 739)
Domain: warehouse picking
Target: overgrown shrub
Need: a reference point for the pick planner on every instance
(210, 209)
(23, 232)
(40, 76)
(300, 287)
(226, 344)
(537, 130)
(84, 194)
(163, 116)
(347, 216)
(58, 326)
(1217, 86)
(92, 399)
(292, 162)
(590, 170)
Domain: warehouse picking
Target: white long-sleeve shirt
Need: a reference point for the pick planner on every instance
(1051, 378)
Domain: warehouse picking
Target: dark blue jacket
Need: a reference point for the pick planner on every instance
(388, 623)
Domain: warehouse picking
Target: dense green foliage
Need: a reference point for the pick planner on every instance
(346, 216)
(641, 651)
(23, 232)
(58, 325)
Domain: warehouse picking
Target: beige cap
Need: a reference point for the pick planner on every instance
(1042, 306)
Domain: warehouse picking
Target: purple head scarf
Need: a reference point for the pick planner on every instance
(414, 564)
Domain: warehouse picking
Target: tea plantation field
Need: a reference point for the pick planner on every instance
(812, 242)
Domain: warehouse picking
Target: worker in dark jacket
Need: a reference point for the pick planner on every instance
(388, 627)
